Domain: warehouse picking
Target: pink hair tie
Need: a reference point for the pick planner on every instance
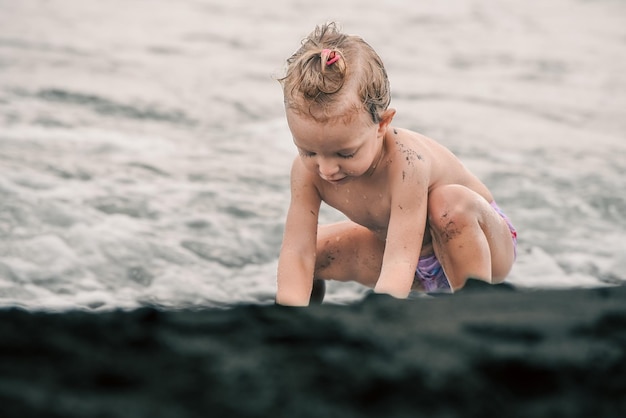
(331, 56)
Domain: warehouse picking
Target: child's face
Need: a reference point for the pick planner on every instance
(340, 149)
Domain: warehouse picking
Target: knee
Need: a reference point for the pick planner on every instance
(449, 208)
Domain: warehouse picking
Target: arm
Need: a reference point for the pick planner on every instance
(296, 262)
(405, 232)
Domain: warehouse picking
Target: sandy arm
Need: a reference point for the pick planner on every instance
(406, 224)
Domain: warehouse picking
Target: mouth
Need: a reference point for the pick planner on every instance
(335, 181)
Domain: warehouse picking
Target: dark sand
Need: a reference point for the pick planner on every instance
(486, 351)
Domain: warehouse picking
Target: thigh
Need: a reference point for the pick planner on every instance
(347, 251)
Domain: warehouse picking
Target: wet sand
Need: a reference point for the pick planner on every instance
(486, 351)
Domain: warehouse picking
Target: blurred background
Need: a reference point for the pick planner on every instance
(144, 156)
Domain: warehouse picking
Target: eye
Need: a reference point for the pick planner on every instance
(346, 156)
(306, 153)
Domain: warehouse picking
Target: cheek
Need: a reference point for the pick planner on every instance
(364, 162)
(356, 166)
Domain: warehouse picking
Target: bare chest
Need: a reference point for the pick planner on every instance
(369, 207)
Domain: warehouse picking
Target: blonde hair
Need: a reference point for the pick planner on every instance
(316, 81)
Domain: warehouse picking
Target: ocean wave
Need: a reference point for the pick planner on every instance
(112, 108)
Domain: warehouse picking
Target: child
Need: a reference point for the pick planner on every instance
(419, 220)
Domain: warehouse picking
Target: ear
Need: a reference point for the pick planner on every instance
(385, 121)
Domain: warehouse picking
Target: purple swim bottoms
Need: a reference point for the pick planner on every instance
(429, 274)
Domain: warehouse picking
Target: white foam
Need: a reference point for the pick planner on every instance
(120, 143)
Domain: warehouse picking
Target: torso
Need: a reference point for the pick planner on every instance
(366, 200)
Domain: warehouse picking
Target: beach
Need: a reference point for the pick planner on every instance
(484, 352)
(144, 182)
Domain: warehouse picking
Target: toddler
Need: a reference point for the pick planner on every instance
(417, 218)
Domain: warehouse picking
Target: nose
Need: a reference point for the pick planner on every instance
(327, 168)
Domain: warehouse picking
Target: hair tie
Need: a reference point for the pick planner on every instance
(331, 56)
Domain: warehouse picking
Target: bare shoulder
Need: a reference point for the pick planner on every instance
(304, 185)
(416, 146)
(300, 174)
(434, 160)
(409, 152)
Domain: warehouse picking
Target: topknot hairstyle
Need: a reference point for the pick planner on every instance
(329, 66)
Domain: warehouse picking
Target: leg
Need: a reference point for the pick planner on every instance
(346, 252)
(470, 239)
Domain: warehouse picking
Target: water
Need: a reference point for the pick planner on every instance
(144, 158)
